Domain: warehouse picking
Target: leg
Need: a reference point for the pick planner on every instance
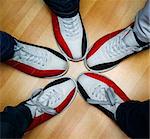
(7, 43)
(44, 104)
(142, 23)
(104, 94)
(113, 48)
(22, 56)
(14, 121)
(64, 8)
(68, 28)
(133, 118)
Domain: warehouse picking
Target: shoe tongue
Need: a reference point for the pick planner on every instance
(129, 39)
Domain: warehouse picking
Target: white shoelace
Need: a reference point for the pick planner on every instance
(22, 54)
(43, 106)
(71, 26)
(117, 47)
(105, 96)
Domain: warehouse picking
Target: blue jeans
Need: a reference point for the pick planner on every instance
(132, 117)
(14, 121)
(64, 8)
(7, 43)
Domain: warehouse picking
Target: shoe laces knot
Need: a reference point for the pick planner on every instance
(104, 96)
(43, 100)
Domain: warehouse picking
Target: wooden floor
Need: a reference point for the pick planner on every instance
(30, 21)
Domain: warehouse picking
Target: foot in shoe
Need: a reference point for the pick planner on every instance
(101, 92)
(51, 100)
(70, 35)
(37, 61)
(111, 49)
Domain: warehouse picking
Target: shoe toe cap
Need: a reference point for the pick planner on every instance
(76, 49)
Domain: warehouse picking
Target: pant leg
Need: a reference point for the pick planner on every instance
(64, 8)
(142, 23)
(14, 121)
(7, 43)
(133, 118)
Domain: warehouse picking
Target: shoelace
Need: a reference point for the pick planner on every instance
(40, 107)
(117, 47)
(108, 97)
(22, 54)
(71, 26)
